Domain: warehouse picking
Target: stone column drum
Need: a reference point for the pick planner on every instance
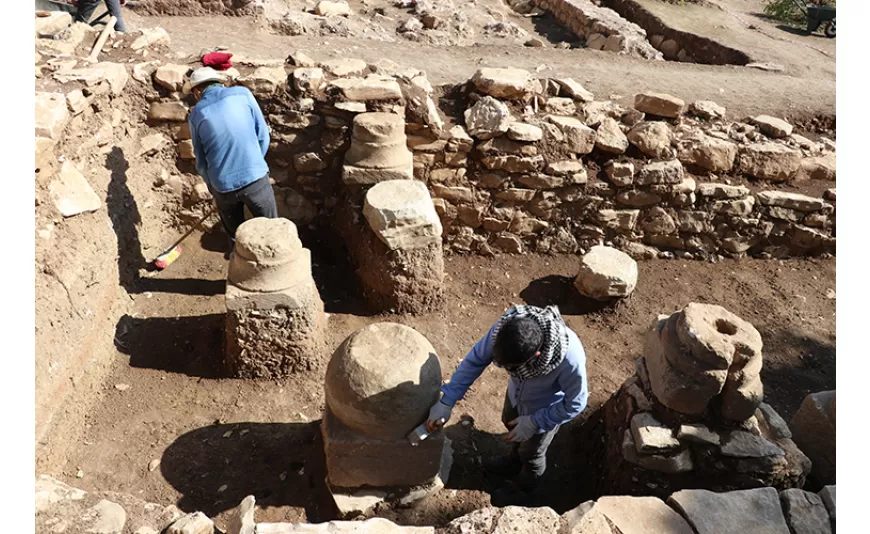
(275, 317)
(378, 150)
(380, 384)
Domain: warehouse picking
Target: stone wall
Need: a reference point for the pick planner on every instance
(515, 163)
(677, 45)
(602, 28)
(558, 171)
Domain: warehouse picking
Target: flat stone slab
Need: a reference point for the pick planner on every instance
(805, 512)
(511, 83)
(642, 515)
(660, 104)
(650, 435)
(368, 89)
(792, 201)
(776, 425)
(71, 193)
(741, 444)
(670, 464)
(698, 434)
(755, 511)
(345, 67)
(769, 161)
(773, 127)
(115, 74)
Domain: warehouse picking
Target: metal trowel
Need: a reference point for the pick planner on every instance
(423, 431)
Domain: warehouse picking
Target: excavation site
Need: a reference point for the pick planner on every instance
(419, 266)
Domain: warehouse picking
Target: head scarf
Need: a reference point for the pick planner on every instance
(555, 342)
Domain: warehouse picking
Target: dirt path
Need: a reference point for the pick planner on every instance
(743, 91)
(219, 439)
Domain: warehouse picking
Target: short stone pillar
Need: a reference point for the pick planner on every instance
(380, 384)
(692, 415)
(378, 150)
(275, 317)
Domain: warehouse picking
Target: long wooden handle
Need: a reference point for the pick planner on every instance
(107, 31)
(192, 228)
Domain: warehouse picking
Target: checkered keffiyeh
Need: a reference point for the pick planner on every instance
(555, 343)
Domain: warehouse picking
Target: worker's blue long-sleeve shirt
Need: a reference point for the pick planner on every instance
(230, 138)
(552, 399)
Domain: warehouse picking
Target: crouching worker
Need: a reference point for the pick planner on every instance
(547, 388)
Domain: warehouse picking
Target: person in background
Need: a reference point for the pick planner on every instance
(547, 388)
(86, 9)
(230, 140)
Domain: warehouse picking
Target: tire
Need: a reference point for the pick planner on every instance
(831, 29)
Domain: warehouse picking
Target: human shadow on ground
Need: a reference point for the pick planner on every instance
(786, 383)
(186, 345)
(280, 464)
(124, 214)
(557, 290)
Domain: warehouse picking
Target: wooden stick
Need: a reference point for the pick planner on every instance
(107, 31)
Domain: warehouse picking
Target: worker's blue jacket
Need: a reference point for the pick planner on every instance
(230, 138)
(552, 399)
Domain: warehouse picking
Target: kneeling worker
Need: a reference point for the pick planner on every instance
(547, 388)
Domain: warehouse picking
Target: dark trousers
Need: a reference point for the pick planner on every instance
(531, 453)
(257, 196)
(86, 9)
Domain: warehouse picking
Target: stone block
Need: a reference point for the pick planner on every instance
(772, 127)
(814, 430)
(71, 193)
(52, 115)
(171, 76)
(520, 131)
(707, 109)
(577, 137)
(195, 523)
(353, 175)
(241, 520)
(829, 497)
(736, 512)
(402, 214)
(269, 256)
(741, 444)
(76, 102)
(805, 512)
(265, 80)
(369, 89)
(606, 273)
(575, 90)
(343, 67)
(167, 111)
(709, 153)
(354, 460)
(326, 8)
(698, 434)
(510, 83)
(620, 174)
(641, 515)
(650, 435)
(185, 149)
(308, 80)
(652, 138)
(793, 201)
(610, 137)
(722, 191)
(769, 161)
(669, 463)
(660, 104)
(660, 172)
(487, 118)
(150, 37)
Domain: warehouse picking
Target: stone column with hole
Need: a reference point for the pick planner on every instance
(693, 416)
(380, 384)
(275, 318)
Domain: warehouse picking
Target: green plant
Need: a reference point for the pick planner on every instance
(787, 11)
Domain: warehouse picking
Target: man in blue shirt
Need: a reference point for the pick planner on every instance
(230, 139)
(547, 388)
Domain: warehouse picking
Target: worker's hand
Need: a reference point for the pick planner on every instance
(523, 429)
(439, 414)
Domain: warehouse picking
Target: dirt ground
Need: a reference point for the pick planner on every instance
(220, 439)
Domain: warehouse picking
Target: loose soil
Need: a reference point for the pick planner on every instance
(221, 439)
